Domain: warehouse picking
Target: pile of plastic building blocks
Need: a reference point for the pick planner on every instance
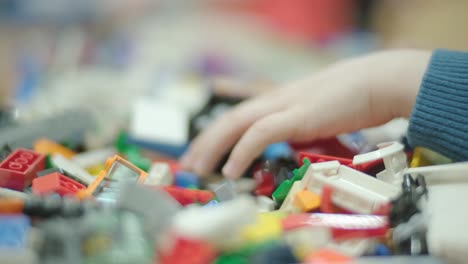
(60, 204)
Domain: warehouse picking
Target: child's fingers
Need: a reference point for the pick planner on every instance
(208, 148)
(276, 127)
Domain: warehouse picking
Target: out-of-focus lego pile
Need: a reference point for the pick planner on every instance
(317, 203)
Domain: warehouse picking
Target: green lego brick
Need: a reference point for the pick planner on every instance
(231, 259)
(243, 254)
(131, 152)
(48, 162)
(282, 191)
(298, 174)
(66, 144)
(133, 155)
(121, 143)
(75, 146)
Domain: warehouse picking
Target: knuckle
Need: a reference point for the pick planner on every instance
(234, 115)
(261, 128)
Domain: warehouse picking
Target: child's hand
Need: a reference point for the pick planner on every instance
(347, 96)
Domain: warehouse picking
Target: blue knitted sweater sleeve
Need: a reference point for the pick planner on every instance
(439, 120)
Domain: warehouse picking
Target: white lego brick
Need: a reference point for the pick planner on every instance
(353, 247)
(399, 260)
(394, 158)
(287, 205)
(91, 158)
(352, 189)
(442, 174)
(447, 236)
(396, 166)
(265, 204)
(69, 166)
(245, 185)
(159, 122)
(219, 225)
(18, 256)
(306, 239)
(159, 174)
(7, 193)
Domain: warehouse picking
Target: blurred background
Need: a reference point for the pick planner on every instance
(121, 60)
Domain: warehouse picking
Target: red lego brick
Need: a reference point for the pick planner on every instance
(328, 256)
(364, 167)
(330, 146)
(20, 168)
(188, 196)
(174, 165)
(185, 251)
(56, 183)
(327, 205)
(265, 183)
(341, 226)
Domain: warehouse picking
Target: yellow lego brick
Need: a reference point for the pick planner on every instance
(95, 170)
(426, 157)
(46, 146)
(306, 201)
(267, 227)
(95, 244)
(419, 160)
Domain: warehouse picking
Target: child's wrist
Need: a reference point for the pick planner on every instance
(400, 77)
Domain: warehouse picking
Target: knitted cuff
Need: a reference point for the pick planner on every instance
(439, 120)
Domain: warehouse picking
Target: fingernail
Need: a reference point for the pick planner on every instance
(230, 170)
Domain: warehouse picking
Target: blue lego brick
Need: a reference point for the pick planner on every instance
(14, 231)
(277, 150)
(186, 179)
(170, 150)
(382, 250)
(274, 254)
(211, 203)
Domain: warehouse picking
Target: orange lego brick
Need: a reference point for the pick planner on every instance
(11, 206)
(327, 256)
(46, 146)
(307, 201)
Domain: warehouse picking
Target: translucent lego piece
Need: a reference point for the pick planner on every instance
(225, 191)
